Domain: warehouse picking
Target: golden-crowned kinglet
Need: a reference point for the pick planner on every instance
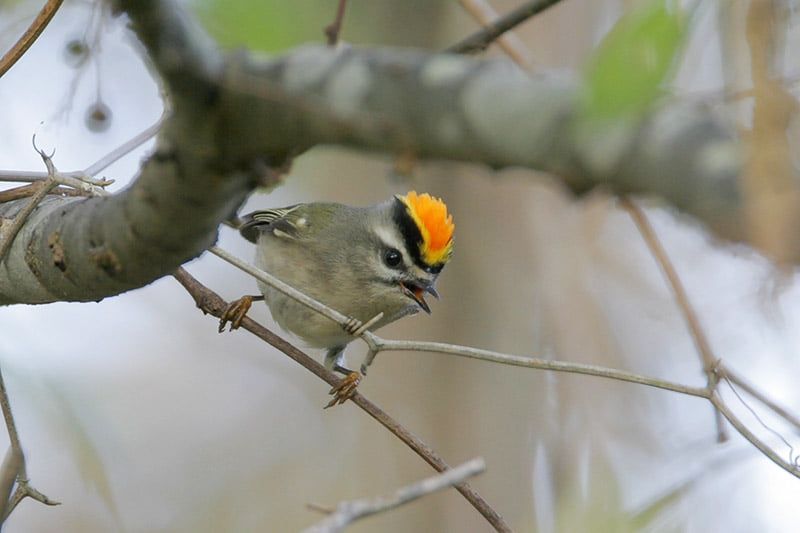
(360, 261)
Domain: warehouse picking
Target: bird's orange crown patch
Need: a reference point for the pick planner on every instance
(435, 225)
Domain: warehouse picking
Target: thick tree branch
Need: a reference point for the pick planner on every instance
(86, 249)
(232, 115)
(487, 111)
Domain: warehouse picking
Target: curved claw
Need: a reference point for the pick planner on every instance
(235, 313)
(345, 389)
(352, 325)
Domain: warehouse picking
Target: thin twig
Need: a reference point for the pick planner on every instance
(771, 454)
(747, 387)
(332, 30)
(31, 34)
(8, 475)
(77, 179)
(480, 40)
(9, 233)
(82, 179)
(127, 147)
(210, 302)
(682, 299)
(11, 426)
(17, 462)
(532, 362)
(377, 344)
(282, 287)
(25, 490)
(17, 193)
(484, 14)
(322, 509)
(348, 512)
(792, 456)
(7, 236)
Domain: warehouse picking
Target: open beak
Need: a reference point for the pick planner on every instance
(416, 291)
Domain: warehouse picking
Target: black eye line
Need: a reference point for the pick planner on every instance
(435, 269)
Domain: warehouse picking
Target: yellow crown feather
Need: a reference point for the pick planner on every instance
(434, 223)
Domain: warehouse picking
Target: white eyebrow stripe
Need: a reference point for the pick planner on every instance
(393, 240)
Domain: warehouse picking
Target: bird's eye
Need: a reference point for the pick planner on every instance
(392, 258)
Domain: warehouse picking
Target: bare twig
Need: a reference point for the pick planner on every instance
(484, 14)
(128, 146)
(323, 509)
(348, 512)
(282, 287)
(682, 299)
(84, 179)
(78, 184)
(17, 458)
(17, 193)
(8, 475)
(793, 458)
(377, 344)
(16, 462)
(31, 34)
(751, 437)
(76, 179)
(748, 387)
(382, 345)
(210, 302)
(25, 490)
(332, 30)
(480, 40)
(8, 233)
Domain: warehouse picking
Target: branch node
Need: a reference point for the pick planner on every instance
(332, 30)
(47, 158)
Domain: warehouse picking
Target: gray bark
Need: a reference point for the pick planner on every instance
(232, 114)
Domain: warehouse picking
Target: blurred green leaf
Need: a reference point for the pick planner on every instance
(625, 75)
(269, 25)
(277, 25)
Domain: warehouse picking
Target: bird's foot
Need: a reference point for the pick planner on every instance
(345, 389)
(352, 325)
(356, 328)
(235, 312)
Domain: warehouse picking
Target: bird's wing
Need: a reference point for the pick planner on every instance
(283, 222)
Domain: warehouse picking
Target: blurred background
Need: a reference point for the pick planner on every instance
(138, 416)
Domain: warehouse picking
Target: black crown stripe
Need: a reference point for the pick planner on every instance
(411, 235)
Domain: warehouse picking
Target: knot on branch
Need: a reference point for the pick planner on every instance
(57, 251)
(106, 259)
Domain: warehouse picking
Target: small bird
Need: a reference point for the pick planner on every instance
(360, 261)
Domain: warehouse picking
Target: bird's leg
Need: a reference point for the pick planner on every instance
(236, 311)
(344, 390)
